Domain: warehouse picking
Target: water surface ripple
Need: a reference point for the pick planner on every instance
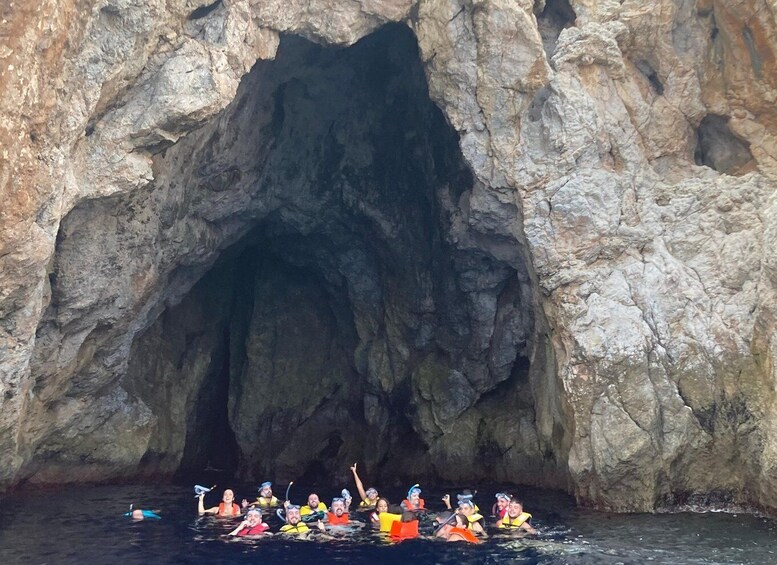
(85, 524)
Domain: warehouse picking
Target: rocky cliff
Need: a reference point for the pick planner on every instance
(454, 239)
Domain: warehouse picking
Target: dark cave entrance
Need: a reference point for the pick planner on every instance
(353, 314)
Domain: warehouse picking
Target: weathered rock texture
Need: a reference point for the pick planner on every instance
(496, 239)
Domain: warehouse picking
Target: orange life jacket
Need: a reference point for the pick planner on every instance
(465, 534)
(335, 520)
(223, 512)
(409, 505)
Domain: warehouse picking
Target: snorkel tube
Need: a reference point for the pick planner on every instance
(146, 513)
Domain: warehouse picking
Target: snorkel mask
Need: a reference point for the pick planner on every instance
(200, 490)
(415, 489)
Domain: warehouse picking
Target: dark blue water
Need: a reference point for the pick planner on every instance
(85, 525)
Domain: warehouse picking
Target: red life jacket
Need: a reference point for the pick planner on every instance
(260, 528)
(409, 506)
(222, 510)
(335, 520)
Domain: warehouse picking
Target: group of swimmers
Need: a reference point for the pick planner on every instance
(465, 522)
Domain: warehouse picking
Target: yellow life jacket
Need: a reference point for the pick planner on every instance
(508, 522)
(265, 503)
(305, 510)
(299, 528)
(472, 519)
(366, 504)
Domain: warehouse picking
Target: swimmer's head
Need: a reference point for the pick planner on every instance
(253, 516)
(338, 506)
(292, 515)
(265, 489)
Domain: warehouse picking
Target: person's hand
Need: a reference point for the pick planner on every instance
(286, 504)
(320, 526)
(446, 498)
(353, 468)
(202, 495)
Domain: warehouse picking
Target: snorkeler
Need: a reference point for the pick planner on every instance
(265, 498)
(294, 524)
(413, 502)
(515, 518)
(499, 509)
(227, 507)
(464, 496)
(474, 520)
(251, 526)
(136, 514)
(338, 516)
(369, 497)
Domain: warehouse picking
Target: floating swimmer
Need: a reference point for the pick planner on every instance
(413, 502)
(137, 514)
(369, 497)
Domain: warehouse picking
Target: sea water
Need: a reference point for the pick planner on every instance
(85, 524)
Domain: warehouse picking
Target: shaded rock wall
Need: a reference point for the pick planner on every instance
(623, 167)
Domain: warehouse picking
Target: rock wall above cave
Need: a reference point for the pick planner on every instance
(621, 158)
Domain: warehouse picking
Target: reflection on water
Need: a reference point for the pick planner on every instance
(85, 524)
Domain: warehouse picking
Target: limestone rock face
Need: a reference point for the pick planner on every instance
(472, 240)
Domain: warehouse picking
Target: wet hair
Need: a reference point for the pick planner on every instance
(388, 504)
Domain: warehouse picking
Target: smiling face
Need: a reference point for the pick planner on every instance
(292, 516)
(338, 508)
(501, 503)
(514, 509)
(228, 497)
(372, 495)
(313, 501)
(253, 518)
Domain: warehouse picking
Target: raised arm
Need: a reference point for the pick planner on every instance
(242, 525)
(201, 506)
(359, 485)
